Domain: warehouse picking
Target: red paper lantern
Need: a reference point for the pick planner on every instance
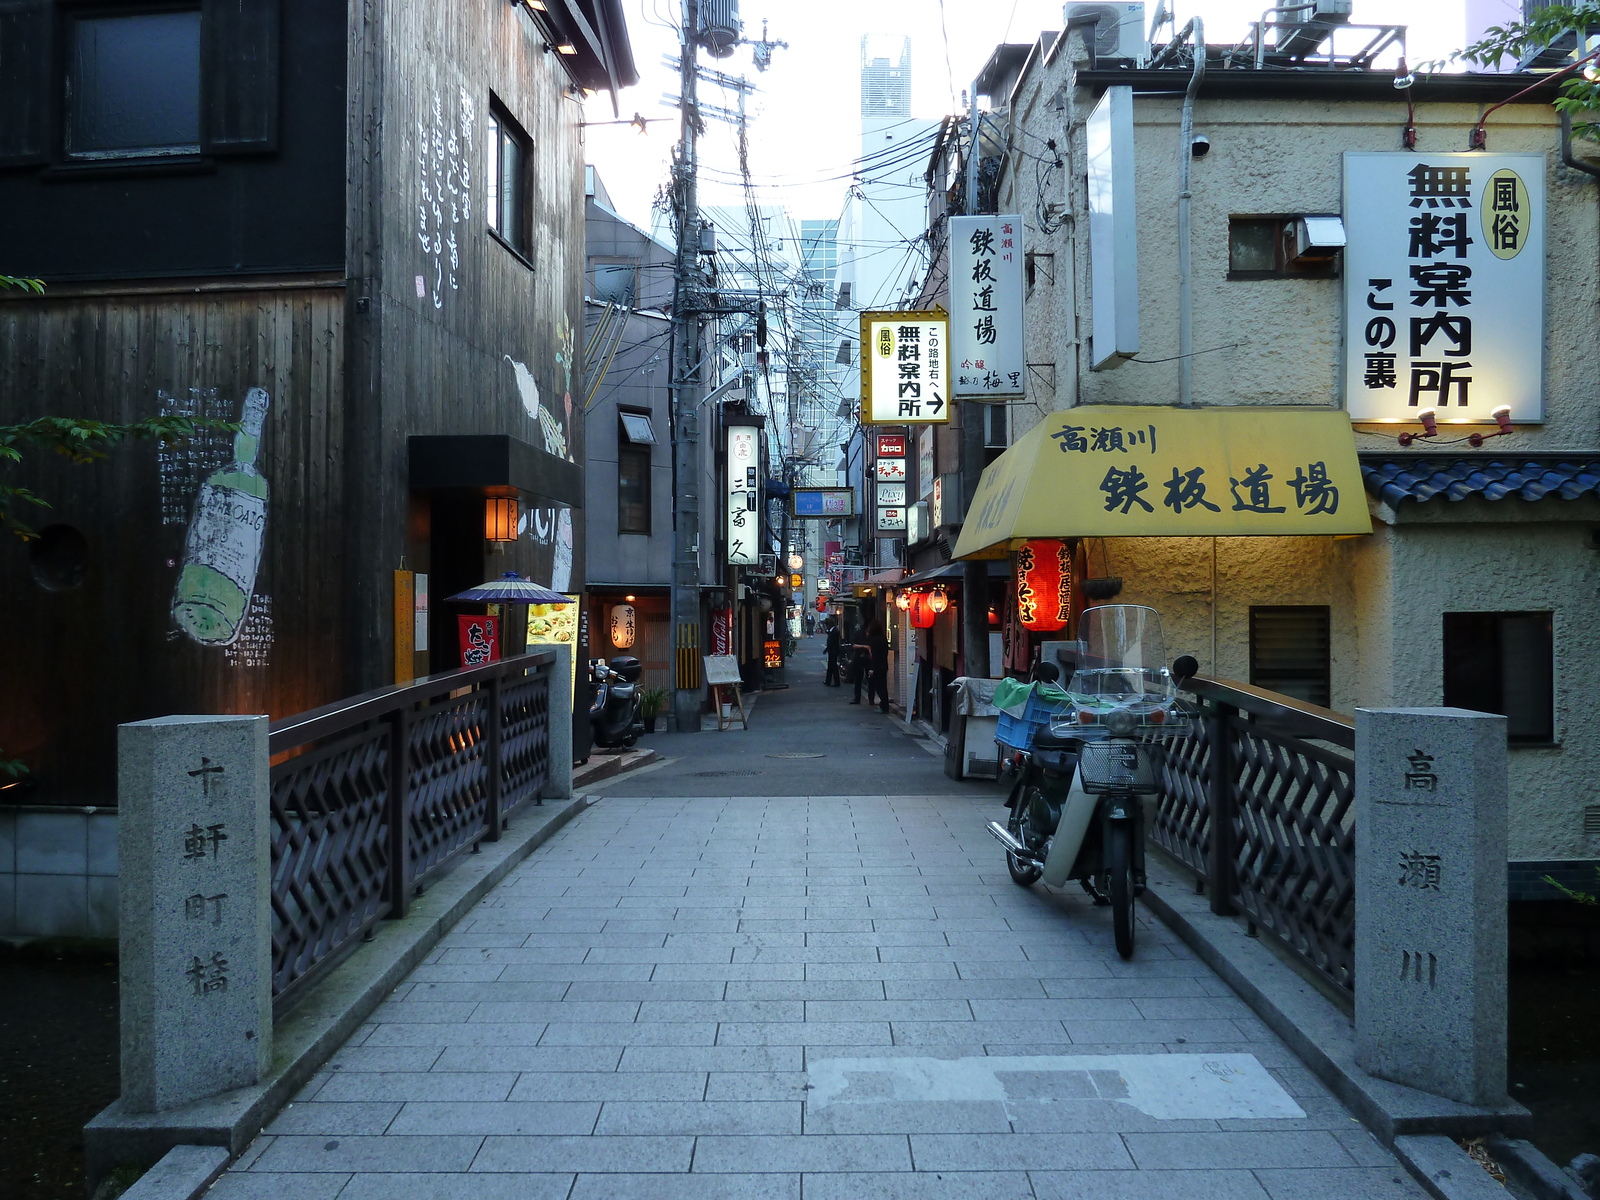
(922, 614)
(1044, 585)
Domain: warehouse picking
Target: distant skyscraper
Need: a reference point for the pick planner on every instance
(885, 84)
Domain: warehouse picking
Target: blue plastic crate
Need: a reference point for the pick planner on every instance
(1017, 732)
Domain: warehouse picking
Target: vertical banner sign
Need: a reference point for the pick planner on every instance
(986, 306)
(891, 484)
(905, 368)
(743, 495)
(1444, 286)
(1113, 231)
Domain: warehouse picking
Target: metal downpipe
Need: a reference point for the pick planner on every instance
(1185, 163)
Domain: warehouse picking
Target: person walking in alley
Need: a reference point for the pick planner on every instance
(835, 647)
(874, 667)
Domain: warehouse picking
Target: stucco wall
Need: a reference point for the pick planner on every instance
(1386, 592)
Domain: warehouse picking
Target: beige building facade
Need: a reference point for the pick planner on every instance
(1469, 545)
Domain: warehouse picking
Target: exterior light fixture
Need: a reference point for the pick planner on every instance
(796, 562)
(629, 597)
(566, 48)
(500, 519)
(938, 602)
(536, 5)
(623, 626)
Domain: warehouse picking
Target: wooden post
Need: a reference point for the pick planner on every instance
(397, 885)
(492, 757)
(1220, 867)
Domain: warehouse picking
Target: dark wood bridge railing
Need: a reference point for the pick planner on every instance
(374, 795)
(1260, 804)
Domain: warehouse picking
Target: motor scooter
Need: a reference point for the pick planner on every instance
(616, 716)
(1075, 807)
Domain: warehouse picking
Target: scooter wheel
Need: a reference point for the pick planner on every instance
(1024, 873)
(1119, 865)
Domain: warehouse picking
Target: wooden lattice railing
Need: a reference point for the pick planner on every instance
(1260, 804)
(411, 775)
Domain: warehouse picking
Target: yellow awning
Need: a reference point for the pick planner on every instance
(1127, 471)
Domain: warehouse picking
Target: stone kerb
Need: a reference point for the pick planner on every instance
(196, 969)
(1430, 949)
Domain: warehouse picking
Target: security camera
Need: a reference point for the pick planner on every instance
(1201, 146)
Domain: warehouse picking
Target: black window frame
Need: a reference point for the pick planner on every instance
(1474, 670)
(635, 496)
(1316, 662)
(1284, 266)
(65, 74)
(503, 130)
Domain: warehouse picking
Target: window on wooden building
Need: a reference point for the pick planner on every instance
(508, 180)
(635, 436)
(133, 85)
(1503, 663)
(1289, 651)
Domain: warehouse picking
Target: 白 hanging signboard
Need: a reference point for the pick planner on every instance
(986, 307)
(744, 459)
(905, 368)
(1444, 285)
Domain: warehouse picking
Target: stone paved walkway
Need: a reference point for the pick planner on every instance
(639, 1009)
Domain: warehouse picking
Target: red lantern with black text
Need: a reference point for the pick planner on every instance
(922, 614)
(1044, 585)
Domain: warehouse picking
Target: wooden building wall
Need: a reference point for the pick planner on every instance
(449, 345)
(75, 663)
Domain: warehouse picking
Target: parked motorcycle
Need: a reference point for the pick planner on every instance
(616, 716)
(1075, 807)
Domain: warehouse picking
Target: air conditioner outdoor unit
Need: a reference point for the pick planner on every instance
(1120, 32)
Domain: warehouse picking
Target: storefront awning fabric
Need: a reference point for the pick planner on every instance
(1136, 471)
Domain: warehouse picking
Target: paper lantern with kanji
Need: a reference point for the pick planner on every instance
(922, 614)
(1044, 585)
(623, 626)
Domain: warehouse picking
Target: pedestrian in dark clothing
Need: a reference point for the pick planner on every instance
(835, 648)
(874, 653)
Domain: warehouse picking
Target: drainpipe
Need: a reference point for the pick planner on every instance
(1567, 156)
(1185, 161)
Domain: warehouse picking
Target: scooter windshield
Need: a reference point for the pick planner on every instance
(1124, 657)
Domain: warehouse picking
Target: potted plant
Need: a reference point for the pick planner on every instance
(651, 702)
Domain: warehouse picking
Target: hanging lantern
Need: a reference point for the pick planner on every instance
(623, 628)
(500, 519)
(796, 562)
(939, 601)
(1044, 585)
(922, 614)
(902, 601)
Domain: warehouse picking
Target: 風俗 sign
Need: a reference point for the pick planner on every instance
(1444, 285)
(744, 458)
(986, 306)
(905, 368)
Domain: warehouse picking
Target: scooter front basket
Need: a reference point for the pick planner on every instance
(1117, 765)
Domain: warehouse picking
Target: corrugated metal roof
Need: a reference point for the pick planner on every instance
(1423, 477)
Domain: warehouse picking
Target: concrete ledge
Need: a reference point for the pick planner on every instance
(1525, 1163)
(1321, 1035)
(183, 1173)
(1445, 1169)
(603, 765)
(310, 1033)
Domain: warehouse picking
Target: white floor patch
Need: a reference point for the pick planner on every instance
(1167, 1087)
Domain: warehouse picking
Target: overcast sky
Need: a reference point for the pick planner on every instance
(805, 130)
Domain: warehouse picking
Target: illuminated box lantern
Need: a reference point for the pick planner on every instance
(772, 654)
(500, 519)
(1044, 585)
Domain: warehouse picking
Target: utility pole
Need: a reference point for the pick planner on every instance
(975, 574)
(687, 467)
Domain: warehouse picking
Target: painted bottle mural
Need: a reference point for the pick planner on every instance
(223, 550)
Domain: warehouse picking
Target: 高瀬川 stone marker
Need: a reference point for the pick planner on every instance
(196, 960)
(1431, 900)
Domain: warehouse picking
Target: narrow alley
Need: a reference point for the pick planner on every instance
(748, 975)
